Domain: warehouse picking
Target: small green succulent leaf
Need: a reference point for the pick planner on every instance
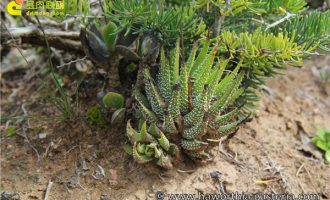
(131, 133)
(144, 135)
(109, 34)
(146, 113)
(113, 100)
(140, 158)
(221, 119)
(321, 134)
(149, 151)
(327, 156)
(193, 145)
(128, 149)
(322, 141)
(154, 131)
(228, 127)
(118, 116)
(140, 148)
(163, 141)
(157, 152)
(131, 67)
(322, 145)
(141, 98)
(95, 116)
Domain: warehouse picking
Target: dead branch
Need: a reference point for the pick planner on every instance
(65, 40)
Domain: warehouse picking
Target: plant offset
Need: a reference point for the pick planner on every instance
(199, 66)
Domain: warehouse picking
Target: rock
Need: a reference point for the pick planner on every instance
(104, 197)
(215, 174)
(9, 196)
(113, 174)
(42, 135)
(99, 173)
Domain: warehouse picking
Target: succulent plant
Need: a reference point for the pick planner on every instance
(151, 144)
(113, 100)
(93, 44)
(190, 106)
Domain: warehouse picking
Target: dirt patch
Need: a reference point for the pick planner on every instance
(270, 154)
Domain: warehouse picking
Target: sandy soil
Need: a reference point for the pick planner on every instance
(270, 154)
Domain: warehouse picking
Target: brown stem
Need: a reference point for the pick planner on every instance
(219, 19)
(113, 72)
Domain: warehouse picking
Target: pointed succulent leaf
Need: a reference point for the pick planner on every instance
(175, 64)
(145, 136)
(146, 113)
(216, 75)
(227, 96)
(168, 124)
(222, 119)
(174, 106)
(141, 98)
(202, 99)
(193, 145)
(191, 58)
(228, 127)
(131, 133)
(194, 116)
(153, 96)
(203, 72)
(198, 130)
(237, 93)
(164, 78)
(184, 106)
(163, 141)
(199, 60)
(154, 131)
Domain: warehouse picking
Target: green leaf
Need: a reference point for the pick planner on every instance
(113, 100)
(176, 63)
(128, 149)
(109, 34)
(118, 116)
(327, 156)
(322, 145)
(10, 131)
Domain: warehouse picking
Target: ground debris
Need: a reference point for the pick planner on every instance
(9, 196)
